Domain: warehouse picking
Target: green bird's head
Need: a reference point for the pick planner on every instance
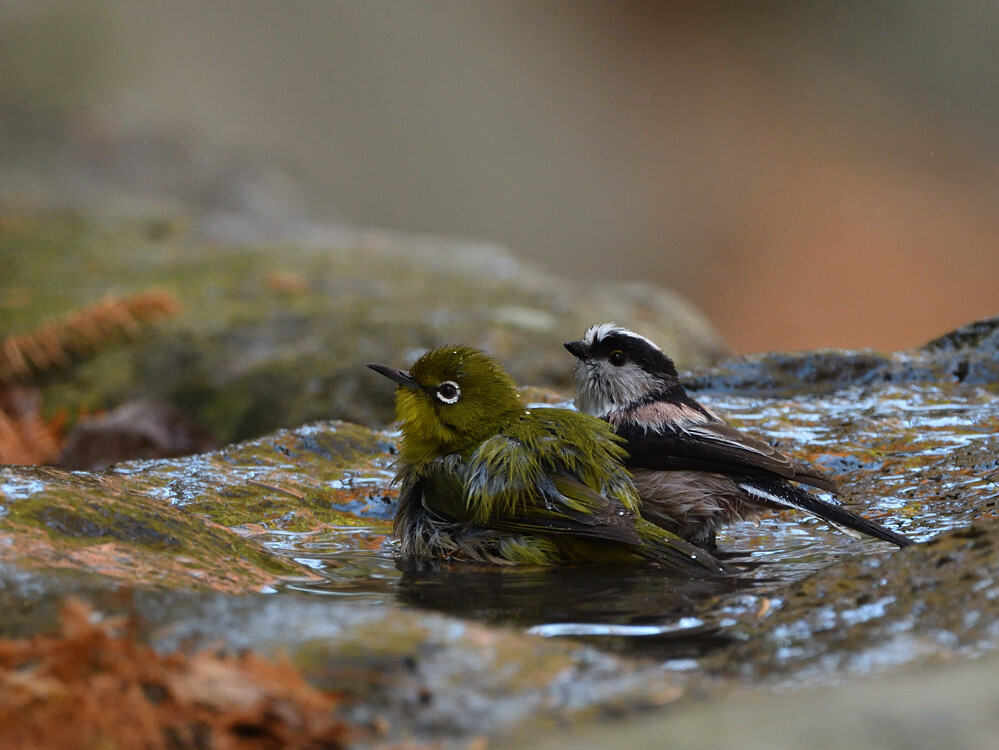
(451, 400)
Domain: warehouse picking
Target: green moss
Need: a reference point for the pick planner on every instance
(76, 512)
(86, 520)
(236, 514)
(247, 359)
(283, 513)
(290, 480)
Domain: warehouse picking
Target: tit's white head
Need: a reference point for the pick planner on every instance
(618, 369)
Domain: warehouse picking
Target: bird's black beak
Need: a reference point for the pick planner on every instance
(577, 349)
(401, 377)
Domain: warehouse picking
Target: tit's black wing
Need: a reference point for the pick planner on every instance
(712, 446)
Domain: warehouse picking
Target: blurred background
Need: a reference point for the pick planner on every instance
(808, 174)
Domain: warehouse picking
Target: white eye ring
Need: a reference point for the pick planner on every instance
(448, 392)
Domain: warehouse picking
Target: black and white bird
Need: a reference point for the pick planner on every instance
(694, 472)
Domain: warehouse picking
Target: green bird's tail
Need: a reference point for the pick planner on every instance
(669, 550)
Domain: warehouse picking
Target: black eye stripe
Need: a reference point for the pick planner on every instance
(647, 357)
(624, 344)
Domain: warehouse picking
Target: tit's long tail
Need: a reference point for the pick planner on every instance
(781, 493)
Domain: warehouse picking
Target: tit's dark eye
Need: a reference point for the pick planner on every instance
(617, 358)
(448, 392)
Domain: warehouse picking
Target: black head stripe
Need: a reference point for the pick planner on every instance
(650, 358)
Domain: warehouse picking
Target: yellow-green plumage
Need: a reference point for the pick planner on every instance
(485, 479)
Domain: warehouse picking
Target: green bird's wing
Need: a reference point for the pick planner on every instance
(584, 447)
(519, 500)
(561, 504)
(429, 525)
(440, 488)
(555, 472)
(558, 504)
(535, 481)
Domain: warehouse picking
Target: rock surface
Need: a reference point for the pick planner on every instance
(967, 355)
(275, 331)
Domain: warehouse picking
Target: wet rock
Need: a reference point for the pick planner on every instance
(401, 673)
(779, 371)
(53, 518)
(168, 523)
(936, 599)
(967, 355)
(981, 336)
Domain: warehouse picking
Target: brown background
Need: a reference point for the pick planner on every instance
(808, 174)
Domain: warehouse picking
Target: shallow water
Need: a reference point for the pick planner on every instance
(918, 459)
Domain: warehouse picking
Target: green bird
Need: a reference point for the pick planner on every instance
(484, 479)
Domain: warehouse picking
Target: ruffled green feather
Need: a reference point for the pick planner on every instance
(508, 474)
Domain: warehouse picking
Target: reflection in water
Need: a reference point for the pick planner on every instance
(636, 609)
(586, 594)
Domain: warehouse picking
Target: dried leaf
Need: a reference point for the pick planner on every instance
(93, 685)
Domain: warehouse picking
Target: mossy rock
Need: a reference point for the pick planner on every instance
(275, 333)
(174, 522)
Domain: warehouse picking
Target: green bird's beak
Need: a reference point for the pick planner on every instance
(577, 349)
(399, 376)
